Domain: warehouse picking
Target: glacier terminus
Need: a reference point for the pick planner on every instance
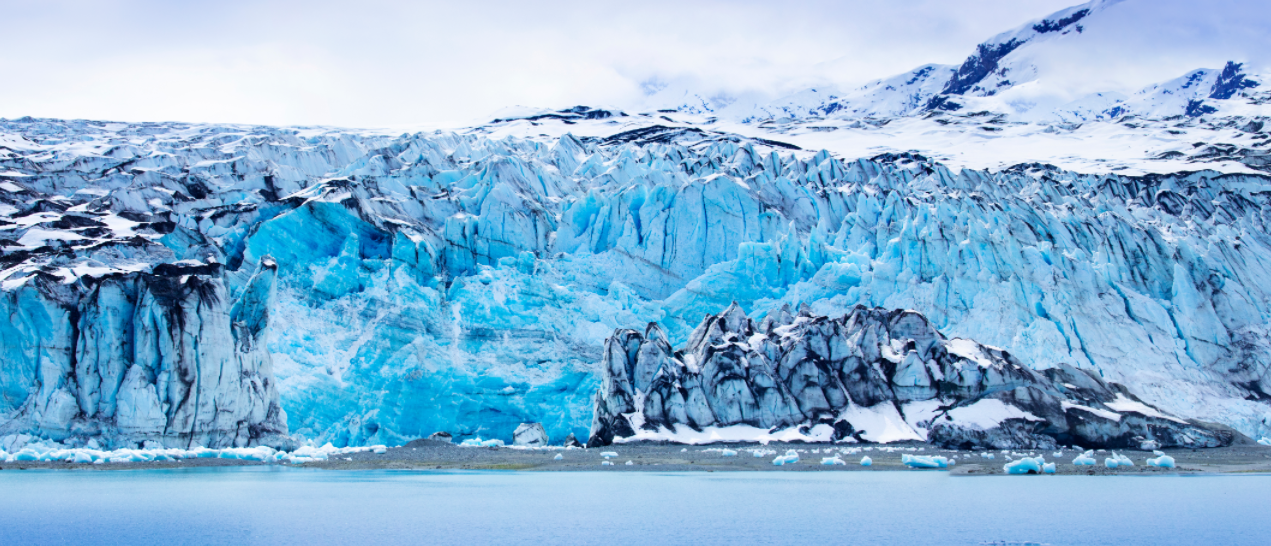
(925, 258)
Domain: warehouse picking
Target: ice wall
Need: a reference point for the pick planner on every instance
(451, 281)
(142, 359)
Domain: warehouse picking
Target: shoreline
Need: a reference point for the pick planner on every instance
(425, 455)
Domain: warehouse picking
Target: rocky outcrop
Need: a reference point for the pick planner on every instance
(129, 359)
(872, 374)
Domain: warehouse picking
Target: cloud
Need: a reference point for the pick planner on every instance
(378, 63)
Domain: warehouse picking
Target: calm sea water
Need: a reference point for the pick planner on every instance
(295, 506)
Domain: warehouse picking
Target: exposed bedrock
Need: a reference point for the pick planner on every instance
(143, 358)
(873, 375)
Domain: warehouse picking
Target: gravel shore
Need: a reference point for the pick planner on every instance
(647, 457)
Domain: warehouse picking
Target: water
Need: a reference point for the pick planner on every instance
(295, 506)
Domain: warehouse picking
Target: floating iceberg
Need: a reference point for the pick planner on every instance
(866, 461)
(832, 461)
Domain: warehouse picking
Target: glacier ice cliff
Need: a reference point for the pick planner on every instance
(871, 375)
(143, 358)
(231, 285)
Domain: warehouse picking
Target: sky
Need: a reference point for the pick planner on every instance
(375, 63)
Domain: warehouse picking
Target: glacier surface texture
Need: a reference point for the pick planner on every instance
(234, 286)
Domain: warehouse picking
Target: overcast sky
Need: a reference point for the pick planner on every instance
(376, 63)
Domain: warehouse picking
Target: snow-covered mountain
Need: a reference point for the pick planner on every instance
(164, 281)
(1023, 73)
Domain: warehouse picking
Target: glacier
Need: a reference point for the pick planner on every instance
(236, 286)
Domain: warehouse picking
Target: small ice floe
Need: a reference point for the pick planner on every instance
(988, 455)
(684, 450)
(1147, 445)
(558, 457)
(1048, 468)
(924, 461)
(606, 463)
(629, 463)
(608, 454)
(379, 450)
(831, 461)
(790, 457)
(1085, 459)
(866, 461)
(1161, 461)
(1026, 465)
(1058, 454)
(1117, 460)
(728, 453)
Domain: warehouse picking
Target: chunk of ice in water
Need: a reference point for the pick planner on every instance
(866, 461)
(832, 461)
(558, 457)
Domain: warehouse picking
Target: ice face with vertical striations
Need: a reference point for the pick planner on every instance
(227, 285)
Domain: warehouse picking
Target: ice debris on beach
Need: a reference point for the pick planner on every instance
(728, 453)
(478, 442)
(1117, 460)
(1026, 465)
(53, 452)
(1085, 459)
(832, 461)
(1161, 461)
(790, 457)
(925, 461)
